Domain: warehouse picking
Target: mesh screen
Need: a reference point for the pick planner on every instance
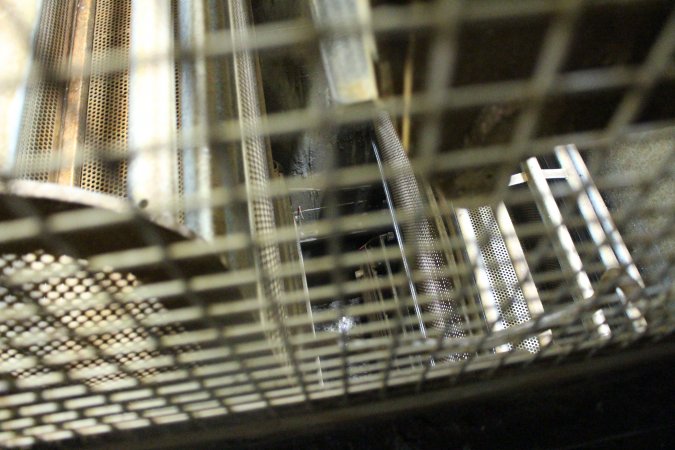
(281, 269)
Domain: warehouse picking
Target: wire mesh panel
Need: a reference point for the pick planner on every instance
(217, 211)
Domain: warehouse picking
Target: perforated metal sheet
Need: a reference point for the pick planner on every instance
(87, 318)
(77, 301)
(504, 284)
(421, 233)
(105, 147)
(44, 97)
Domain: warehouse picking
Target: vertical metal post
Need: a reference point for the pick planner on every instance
(194, 117)
(153, 166)
(347, 54)
(262, 219)
(76, 96)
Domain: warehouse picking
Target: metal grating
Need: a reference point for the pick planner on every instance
(116, 317)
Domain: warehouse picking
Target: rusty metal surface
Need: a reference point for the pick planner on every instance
(72, 135)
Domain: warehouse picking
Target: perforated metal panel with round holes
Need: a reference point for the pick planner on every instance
(44, 99)
(90, 318)
(90, 331)
(504, 285)
(105, 166)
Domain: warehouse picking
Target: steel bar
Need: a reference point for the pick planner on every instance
(72, 135)
(153, 166)
(196, 163)
(399, 239)
(562, 241)
(604, 233)
(347, 56)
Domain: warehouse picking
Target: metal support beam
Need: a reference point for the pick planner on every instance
(76, 96)
(153, 167)
(347, 55)
(194, 117)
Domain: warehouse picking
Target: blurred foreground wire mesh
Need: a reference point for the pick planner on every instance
(225, 208)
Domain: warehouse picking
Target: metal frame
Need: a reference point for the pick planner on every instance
(225, 363)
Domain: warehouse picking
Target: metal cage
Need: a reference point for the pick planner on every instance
(213, 212)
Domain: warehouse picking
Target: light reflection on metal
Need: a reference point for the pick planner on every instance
(194, 116)
(74, 116)
(18, 25)
(347, 56)
(566, 252)
(400, 242)
(522, 270)
(606, 237)
(549, 174)
(153, 165)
